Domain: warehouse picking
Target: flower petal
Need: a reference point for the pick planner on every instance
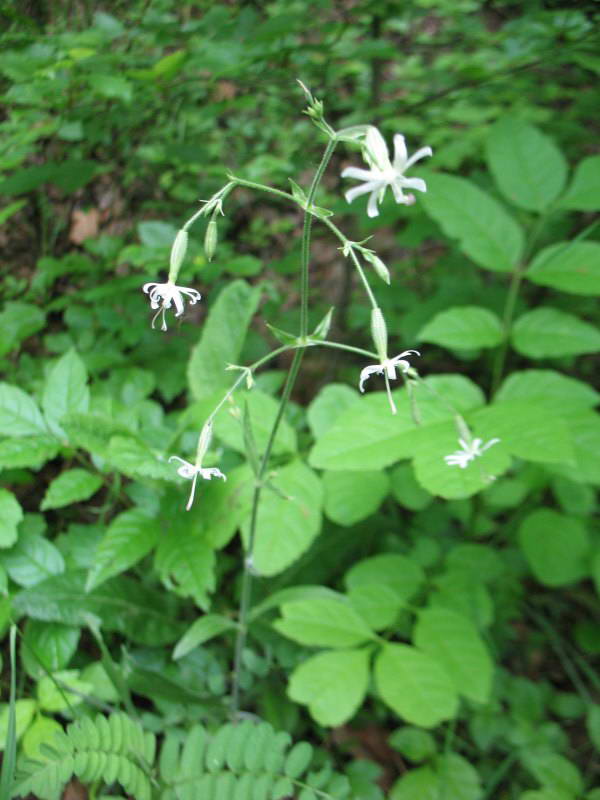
(418, 155)
(400, 153)
(376, 149)
(372, 209)
(414, 183)
(367, 372)
(356, 191)
(361, 174)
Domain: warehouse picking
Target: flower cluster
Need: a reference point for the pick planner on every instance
(469, 452)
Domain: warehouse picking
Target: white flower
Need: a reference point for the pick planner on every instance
(470, 451)
(387, 367)
(383, 173)
(191, 471)
(162, 295)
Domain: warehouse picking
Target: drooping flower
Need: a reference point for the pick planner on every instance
(384, 173)
(388, 367)
(469, 452)
(191, 471)
(163, 295)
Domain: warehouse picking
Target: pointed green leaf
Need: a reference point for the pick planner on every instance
(129, 537)
(332, 685)
(19, 414)
(262, 411)
(352, 496)
(584, 192)
(185, 561)
(415, 685)
(65, 390)
(27, 451)
(11, 514)
(549, 333)
(569, 266)
(323, 622)
(485, 231)
(556, 547)
(201, 631)
(71, 486)
(33, 559)
(463, 327)
(527, 166)
(549, 389)
(455, 643)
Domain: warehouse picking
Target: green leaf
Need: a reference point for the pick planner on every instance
(30, 451)
(144, 615)
(545, 387)
(17, 322)
(485, 231)
(136, 460)
(65, 390)
(379, 586)
(413, 743)
(454, 642)
(528, 167)
(24, 711)
(71, 486)
(328, 405)
(323, 622)
(262, 411)
(185, 561)
(406, 490)
(11, 514)
(366, 437)
(556, 547)
(47, 647)
(332, 684)
(592, 723)
(113, 87)
(19, 414)
(53, 690)
(585, 435)
(554, 771)
(549, 333)
(286, 526)
(421, 782)
(222, 338)
(129, 537)
(201, 631)
(527, 431)
(41, 732)
(415, 685)
(452, 482)
(583, 193)
(353, 496)
(33, 559)
(569, 266)
(463, 327)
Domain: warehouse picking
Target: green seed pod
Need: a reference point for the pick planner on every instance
(379, 333)
(210, 240)
(378, 265)
(178, 252)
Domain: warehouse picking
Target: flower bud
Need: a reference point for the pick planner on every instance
(178, 252)
(378, 265)
(379, 333)
(210, 240)
(204, 441)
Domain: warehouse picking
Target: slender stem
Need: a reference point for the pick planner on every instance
(308, 218)
(287, 390)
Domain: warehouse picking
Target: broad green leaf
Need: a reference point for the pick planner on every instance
(27, 451)
(136, 460)
(71, 486)
(41, 732)
(554, 771)
(552, 390)
(458, 590)
(413, 743)
(113, 87)
(222, 338)
(480, 561)
(527, 431)
(223, 505)
(65, 390)
(455, 643)
(24, 711)
(485, 231)
(556, 547)
(33, 559)
(332, 684)
(583, 193)
(463, 327)
(93, 432)
(549, 333)
(323, 622)
(569, 266)
(286, 525)
(415, 685)
(353, 496)
(379, 586)
(328, 405)
(421, 782)
(185, 561)
(53, 690)
(129, 537)
(367, 437)
(19, 414)
(11, 514)
(292, 594)
(528, 167)
(585, 436)
(47, 647)
(406, 490)
(452, 482)
(457, 778)
(17, 322)
(201, 631)
(262, 410)
(144, 615)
